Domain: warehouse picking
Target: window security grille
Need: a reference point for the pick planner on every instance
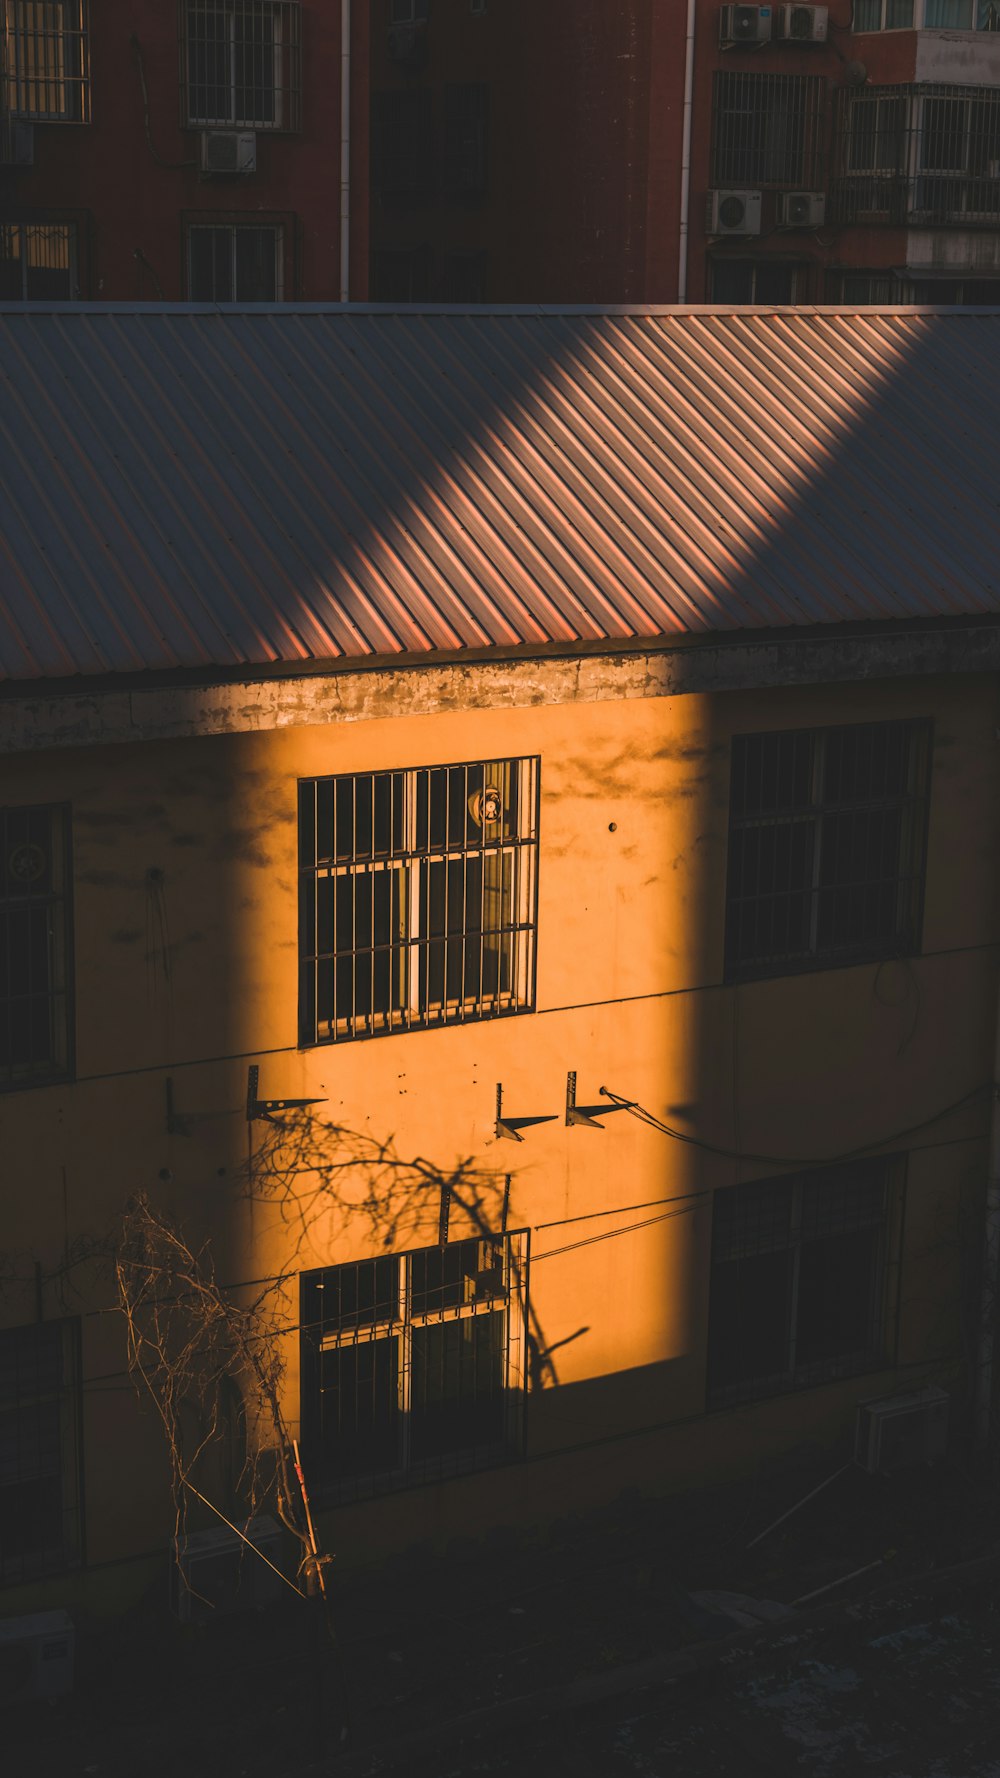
(39, 1449)
(38, 262)
(933, 15)
(47, 60)
(827, 837)
(413, 1366)
(767, 129)
(417, 898)
(465, 139)
(241, 63)
(799, 1280)
(401, 140)
(924, 155)
(34, 946)
(234, 264)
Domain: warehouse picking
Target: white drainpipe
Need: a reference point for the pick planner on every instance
(345, 151)
(682, 245)
(989, 1302)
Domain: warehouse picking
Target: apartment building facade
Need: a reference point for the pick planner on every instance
(651, 152)
(197, 152)
(514, 885)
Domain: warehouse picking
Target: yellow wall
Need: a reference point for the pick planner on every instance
(185, 916)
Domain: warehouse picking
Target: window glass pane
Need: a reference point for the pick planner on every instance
(256, 265)
(898, 15)
(458, 1393)
(49, 263)
(210, 265)
(210, 63)
(732, 281)
(749, 1321)
(356, 1429)
(775, 283)
(867, 15)
(837, 1298)
(949, 15)
(39, 1494)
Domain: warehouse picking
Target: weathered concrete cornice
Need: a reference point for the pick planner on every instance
(79, 718)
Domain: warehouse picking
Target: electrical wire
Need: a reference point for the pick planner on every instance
(791, 1160)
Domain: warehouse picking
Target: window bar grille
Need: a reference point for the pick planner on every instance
(40, 1487)
(918, 154)
(47, 60)
(241, 64)
(34, 946)
(767, 130)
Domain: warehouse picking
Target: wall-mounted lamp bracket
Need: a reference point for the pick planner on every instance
(266, 1108)
(511, 1127)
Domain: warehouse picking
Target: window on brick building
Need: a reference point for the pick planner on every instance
(466, 119)
(400, 274)
(46, 60)
(242, 62)
(799, 1279)
(761, 281)
(413, 1365)
(417, 898)
(883, 15)
(40, 1522)
(234, 263)
(35, 1001)
(767, 130)
(401, 140)
(827, 841)
(38, 262)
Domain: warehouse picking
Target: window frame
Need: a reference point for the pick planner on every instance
(419, 900)
(74, 83)
(67, 1550)
(913, 805)
(286, 82)
(15, 1076)
(881, 1349)
(918, 19)
(738, 159)
(216, 225)
(396, 1327)
(796, 271)
(28, 226)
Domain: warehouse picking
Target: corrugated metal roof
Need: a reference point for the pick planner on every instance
(195, 487)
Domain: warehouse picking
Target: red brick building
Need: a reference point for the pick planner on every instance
(183, 151)
(848, 152)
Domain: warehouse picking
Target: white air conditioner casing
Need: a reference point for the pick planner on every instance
(36, 1657)
(802, 24)
(801, 209)
(899, 1431)
(213, 1571)
(733, 213)
(228, 151)
(745, 24)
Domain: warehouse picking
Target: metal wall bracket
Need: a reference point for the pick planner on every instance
(266, 1108)
(511, 1127)
(581, 1114)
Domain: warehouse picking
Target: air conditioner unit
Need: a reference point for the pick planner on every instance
(213, 1571)
(801, 209)
(36, 1657)
(899, 1431)
(733, 213)
(17, 142)
(228, 151)
(802, 24)
(745, 24)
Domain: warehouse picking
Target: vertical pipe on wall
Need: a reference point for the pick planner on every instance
(989, 1301)
(345, 151)
(682, 244)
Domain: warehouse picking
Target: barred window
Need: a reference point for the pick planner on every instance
(47, 60)
(883, 15)
(924, 154)
(234, 264)
(401, 140)
(34, 946)
(767, 129)
(827, 838)
(38, 262)
(40, 1529)
(242, 63)
(417, 897)
(799, 1279)
(466, 139)
(413, 1366)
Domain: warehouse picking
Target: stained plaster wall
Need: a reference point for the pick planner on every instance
(185, 931)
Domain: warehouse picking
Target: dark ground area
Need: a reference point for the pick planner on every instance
(432, 1637)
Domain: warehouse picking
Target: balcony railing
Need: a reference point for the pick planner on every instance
(918, 155)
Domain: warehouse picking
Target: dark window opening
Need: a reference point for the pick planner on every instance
(759, 281)
(40, 1527)
(826, 846)
(466, 120)
(413, 1366)
(401, 140)
(400, 275)
(34, 946)
(237, 263)
(46, 60)
(38, 262)
(463, 278)
(799, 1278)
